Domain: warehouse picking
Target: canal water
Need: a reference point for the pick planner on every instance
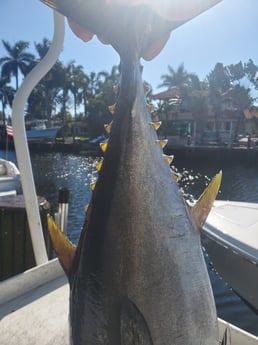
(76, 172)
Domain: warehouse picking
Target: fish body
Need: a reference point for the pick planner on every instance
(139, 271)
(138, 275)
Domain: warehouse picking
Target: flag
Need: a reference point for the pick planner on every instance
(9, 130)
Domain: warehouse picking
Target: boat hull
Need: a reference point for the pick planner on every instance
(8, 184)
(230, 247)
(42, 134)
(10, 180)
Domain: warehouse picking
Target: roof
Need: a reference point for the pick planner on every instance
(250, 114)
(165, 95)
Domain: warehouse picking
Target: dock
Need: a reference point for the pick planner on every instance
(16, 252)
(34, 307)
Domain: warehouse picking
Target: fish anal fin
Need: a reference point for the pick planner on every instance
(64, 248)
(133, 326)
(202, 207)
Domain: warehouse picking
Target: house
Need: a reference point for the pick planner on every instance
(198, 120)
(251, 121)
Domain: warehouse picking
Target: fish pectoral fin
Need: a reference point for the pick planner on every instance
(226, 337)
(64, 248)
(133, 326)
(202, 207)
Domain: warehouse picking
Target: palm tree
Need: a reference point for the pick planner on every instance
(175, 78)
(16, 60)
(42, 48)
(6, 95)
(182, 80)
(75, 84)
(43, 98)
(62, 76)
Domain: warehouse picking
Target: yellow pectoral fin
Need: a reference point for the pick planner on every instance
(64, 248)
(202, 207)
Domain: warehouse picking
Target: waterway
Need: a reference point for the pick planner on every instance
(76, 172)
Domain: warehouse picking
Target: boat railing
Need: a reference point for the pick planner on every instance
(20, 140)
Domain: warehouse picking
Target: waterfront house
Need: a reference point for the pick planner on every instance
(194, 121)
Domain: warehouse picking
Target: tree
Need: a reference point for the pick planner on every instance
(43, 98)
(219, 85)
(182, 80)
(16, 60)
(176, 78)
(251, 71)
(225, 84)
(62, 74)
(100, 95)
(6, 95)
(75, 84)
(199, 108)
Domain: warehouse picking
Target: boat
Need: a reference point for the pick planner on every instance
(230, 237)
(10, 181)
(39, 131)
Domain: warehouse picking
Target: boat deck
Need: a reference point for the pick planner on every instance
(34, 318)
(235, 224)
(39, 313)
(37, 316)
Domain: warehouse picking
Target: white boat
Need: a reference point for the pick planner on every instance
(10, 182)
(39, 131)
(230, 236)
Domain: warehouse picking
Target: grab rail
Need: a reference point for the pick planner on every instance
(20, 139)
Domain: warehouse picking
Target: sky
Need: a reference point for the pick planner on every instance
(226, 33)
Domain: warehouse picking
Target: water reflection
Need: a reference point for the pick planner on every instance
(239, 183)
(55, 171)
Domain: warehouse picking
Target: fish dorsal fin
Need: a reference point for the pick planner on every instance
(64, 248)
(202, 207)
(133, 326)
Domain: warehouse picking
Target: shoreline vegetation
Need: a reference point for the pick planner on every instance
(189, 106)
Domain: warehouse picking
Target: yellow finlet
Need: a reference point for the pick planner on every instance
(104, 146)
(176, 176)
(155, 125)
(99, 164)
(202, 207)
(108, 127)
(162, 143)
(168, 159)
(93, 185)
(112, 108)
(64, 248)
